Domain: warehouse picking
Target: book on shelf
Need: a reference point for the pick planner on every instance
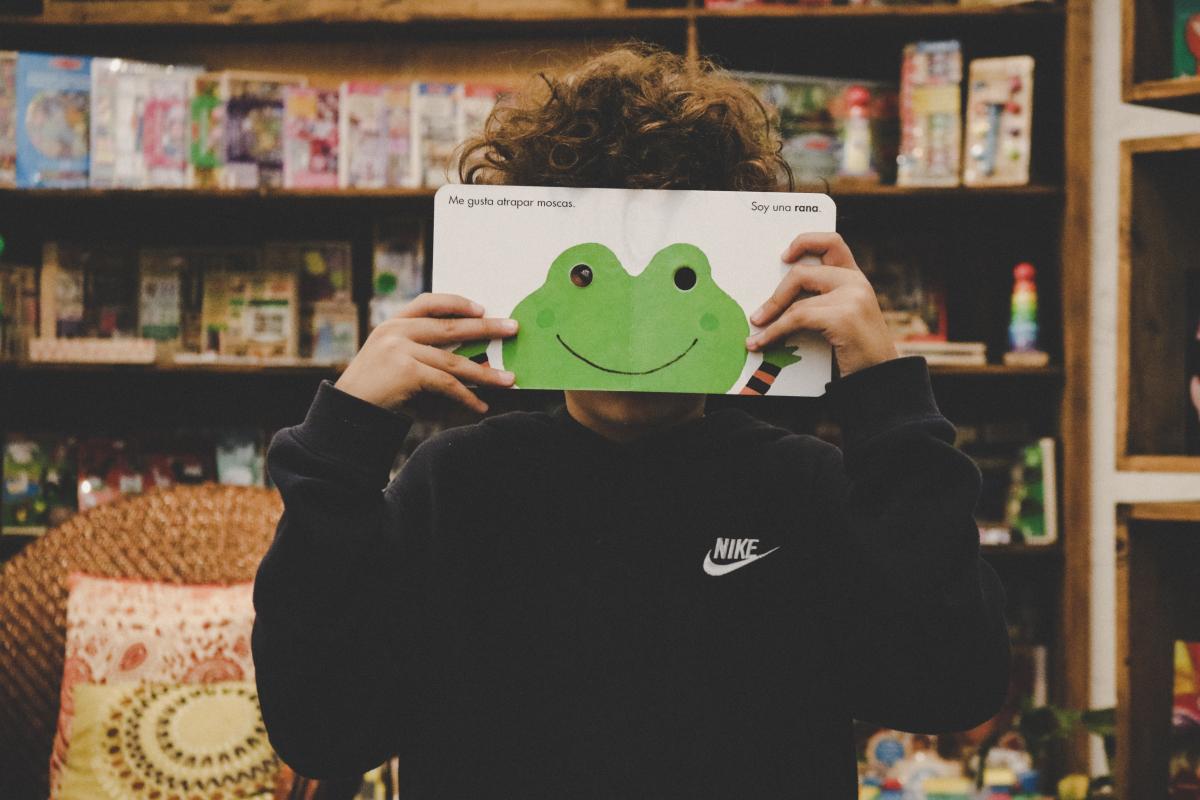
(325, 275)
(237, 127)
(118, 101)
(53, 99)
(87, 291)
(930, 114)
(945, 354)
(397, 266)
(18, 311)
(240, 457)
(165, 129)
(162, 274)
(474, 105)
(1018, 499)
(8, 118)
(435, 123)
(332, 327)
(251, 313)
(362, 127)
(310, 129)
(38, 483)
(397, 103)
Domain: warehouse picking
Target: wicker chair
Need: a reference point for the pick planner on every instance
(187, 534)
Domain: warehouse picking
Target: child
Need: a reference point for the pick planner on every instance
(627, 598)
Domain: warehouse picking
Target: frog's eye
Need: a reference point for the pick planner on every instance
(685, 278)
(581, 275)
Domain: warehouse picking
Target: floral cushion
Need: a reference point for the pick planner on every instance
(152, 741)
(122, 631)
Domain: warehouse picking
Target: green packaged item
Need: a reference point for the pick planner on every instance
(1186, 35)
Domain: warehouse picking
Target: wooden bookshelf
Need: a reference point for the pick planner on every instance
(332, 40)
(196, 13)
(1158, 240)
(1158, 570)
(1147, 76)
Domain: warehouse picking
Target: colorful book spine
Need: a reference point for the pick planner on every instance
(53, 100)
(397, 101)
(310, 153)
(206, 143)
(435, 120)
(166, 132)
(363, 122)
(8, 118)
(253, 132)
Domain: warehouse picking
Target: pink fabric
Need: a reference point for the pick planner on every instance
(141, 631)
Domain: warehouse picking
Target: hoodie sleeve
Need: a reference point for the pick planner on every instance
(920, 616)
(338, 594)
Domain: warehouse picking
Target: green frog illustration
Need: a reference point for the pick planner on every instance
(670, 328)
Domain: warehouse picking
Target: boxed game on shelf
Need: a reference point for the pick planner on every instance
(8, 118)
(53, 99)
(162, 275)
(1018, 500)
(310, 129)
(38, 483)
(363, 128)
(251, 313)
(475, 103)
(240, 457)
(115, 124)
(397, 102)
(435, 124)
(398, 266)
(237, 124)
(325, 272)
(930, 114)
(831, 127)
(999, 121)
(165, 130)
(333, 331)
(87, 291)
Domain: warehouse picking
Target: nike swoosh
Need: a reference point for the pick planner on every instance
(724, 569)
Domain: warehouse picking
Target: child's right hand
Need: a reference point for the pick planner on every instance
(403, 358)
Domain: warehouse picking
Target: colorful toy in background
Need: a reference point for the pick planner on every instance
(1184, 764)
(832, 127)
(999, 121)
(1186, 38)
(930, 114)
(1023, 323)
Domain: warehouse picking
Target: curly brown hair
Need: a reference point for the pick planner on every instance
(634, 117)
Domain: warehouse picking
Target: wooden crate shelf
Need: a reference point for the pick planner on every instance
(1158, 571)
(1147, 75)
(1158, 242)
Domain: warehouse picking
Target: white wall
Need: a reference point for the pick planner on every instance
(1114, 121)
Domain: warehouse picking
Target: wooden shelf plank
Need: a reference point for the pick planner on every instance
(1178, 94)
(192, 13)
(1170, 511)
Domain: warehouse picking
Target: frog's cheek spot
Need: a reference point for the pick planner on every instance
(709, 322)
(545, 318)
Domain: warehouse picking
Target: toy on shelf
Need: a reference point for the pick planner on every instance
(999, 121)
(1186, 35)
(930, 119)
(1023, 327)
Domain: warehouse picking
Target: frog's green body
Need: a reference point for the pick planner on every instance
(593, 325)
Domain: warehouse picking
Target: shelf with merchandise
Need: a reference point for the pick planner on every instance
(1160, 54)
(839, 191)
(1158, 567)
(1158, 330)
(428, 16)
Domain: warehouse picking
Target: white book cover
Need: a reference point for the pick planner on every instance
(362, 136)
(435, 123)
(630, 290)
(166, 136)
(118, 103)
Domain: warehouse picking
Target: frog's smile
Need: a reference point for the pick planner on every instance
(591, 363)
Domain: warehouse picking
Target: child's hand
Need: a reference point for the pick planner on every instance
(401, 358)
(844, 309)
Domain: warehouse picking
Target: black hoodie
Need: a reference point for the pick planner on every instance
(530, 610)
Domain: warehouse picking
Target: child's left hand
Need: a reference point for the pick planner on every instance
(844, 308)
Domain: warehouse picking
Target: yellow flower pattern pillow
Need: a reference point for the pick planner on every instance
(155, 741)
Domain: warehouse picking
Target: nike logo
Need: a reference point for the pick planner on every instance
(715, 569)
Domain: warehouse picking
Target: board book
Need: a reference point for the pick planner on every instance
(630, 290)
